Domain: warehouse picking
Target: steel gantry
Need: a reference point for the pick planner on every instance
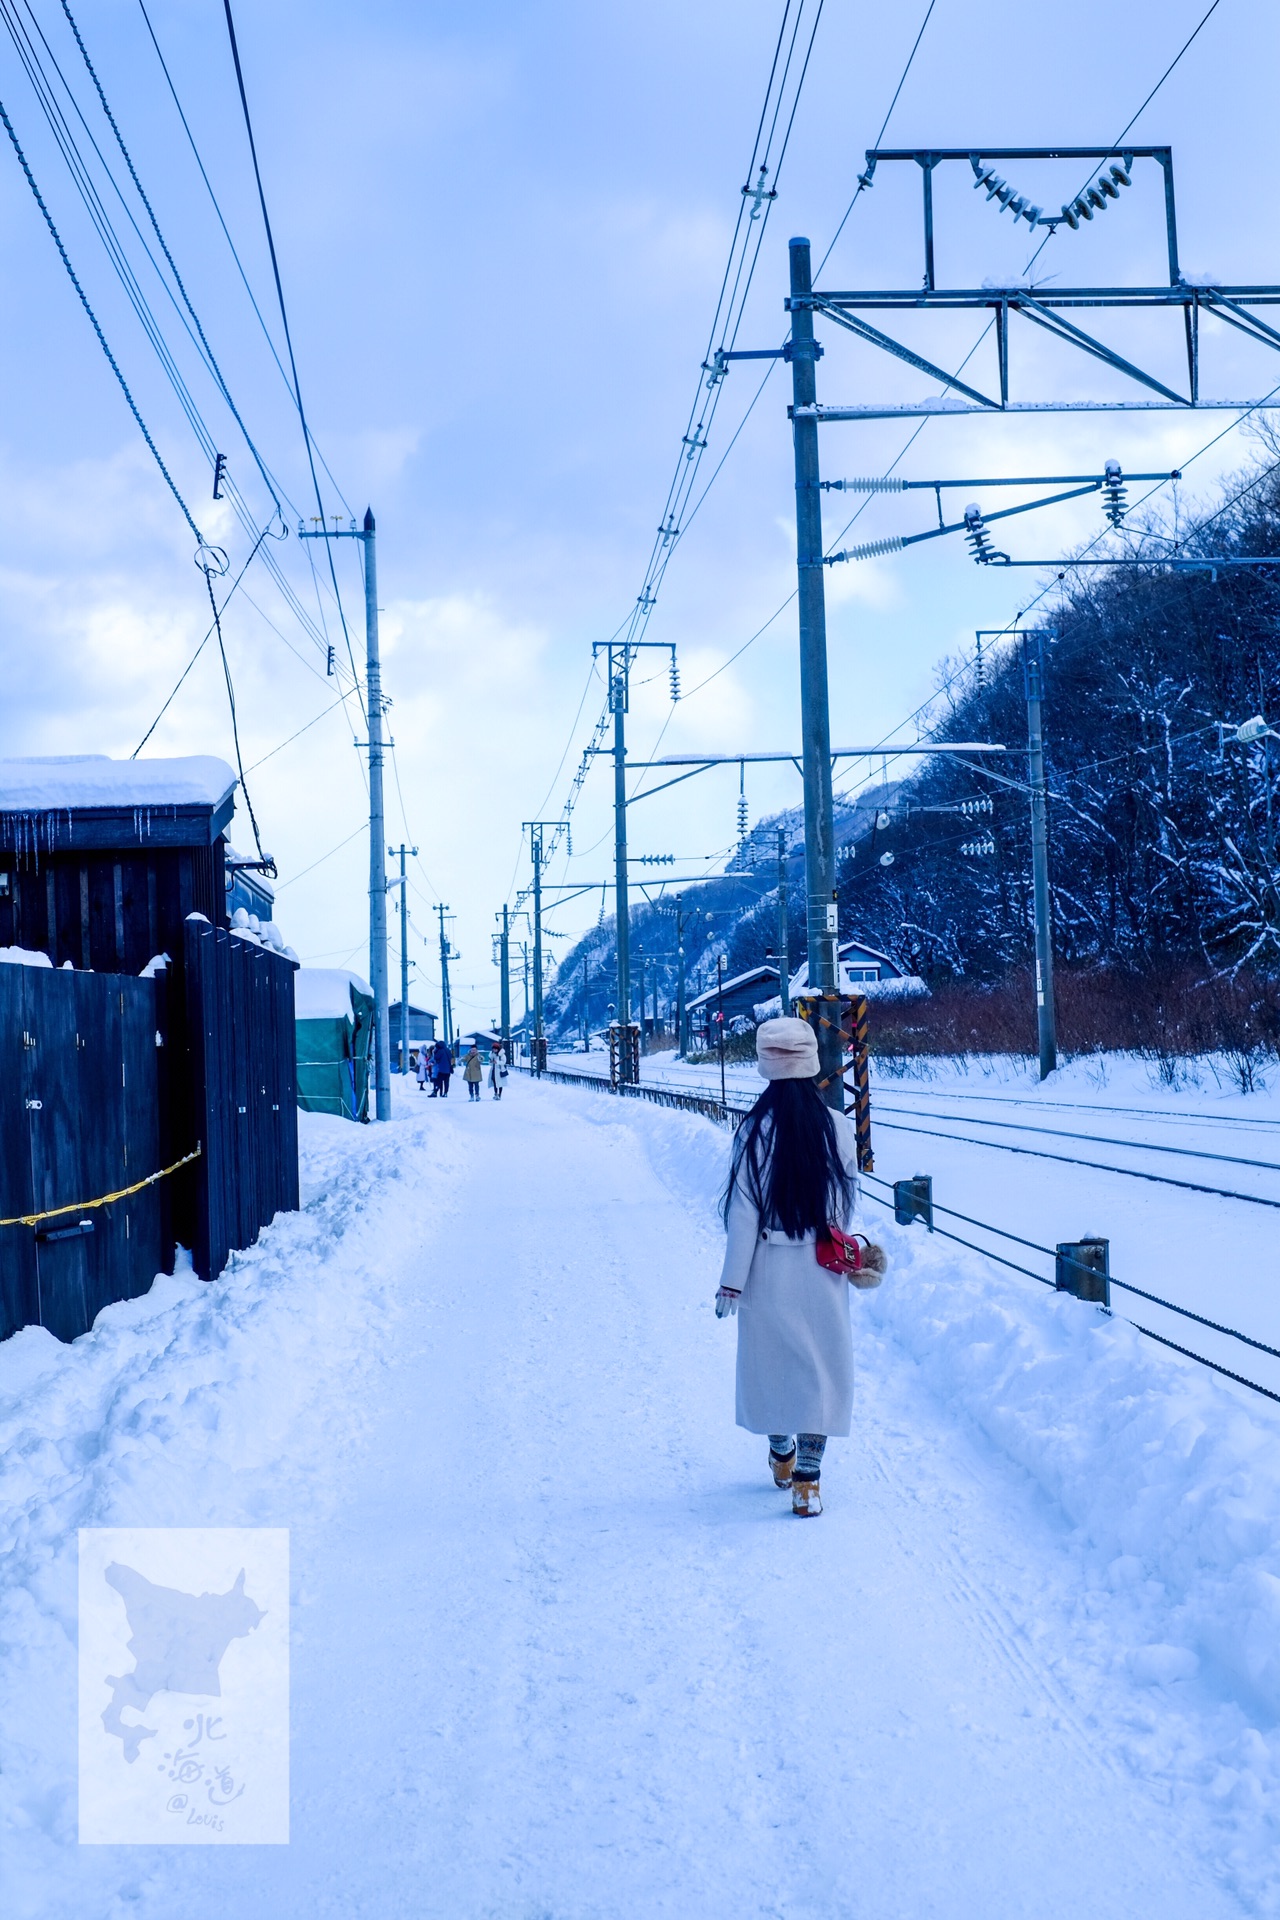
(1045, 307)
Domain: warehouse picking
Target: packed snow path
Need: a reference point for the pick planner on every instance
(560, 1649)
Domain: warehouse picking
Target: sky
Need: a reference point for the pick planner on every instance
(501, 234)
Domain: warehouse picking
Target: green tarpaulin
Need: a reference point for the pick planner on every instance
(334, 1011)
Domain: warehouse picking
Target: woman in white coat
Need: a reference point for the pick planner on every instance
(793, 1174)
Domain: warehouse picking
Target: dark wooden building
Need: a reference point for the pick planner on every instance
(102, 860)
(142, 1111)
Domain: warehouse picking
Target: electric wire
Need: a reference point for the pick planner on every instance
(173, 267)
(284, 321)
(94, 323)
(231, 702)
(196, 655)
(65, 139)
(735, 288)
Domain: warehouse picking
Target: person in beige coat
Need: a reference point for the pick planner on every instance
(793, 1173)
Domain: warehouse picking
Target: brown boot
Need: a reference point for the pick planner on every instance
(782, 1466)
(805, 1498)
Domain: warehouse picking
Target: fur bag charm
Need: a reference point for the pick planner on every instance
(860, 1260)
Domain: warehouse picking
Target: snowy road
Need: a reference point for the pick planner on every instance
(560, 1649)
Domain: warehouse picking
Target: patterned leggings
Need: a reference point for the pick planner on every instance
(809, 1449)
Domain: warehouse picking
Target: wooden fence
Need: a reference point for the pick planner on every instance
(243, 1081)
(107, 1080)
(81, 1115)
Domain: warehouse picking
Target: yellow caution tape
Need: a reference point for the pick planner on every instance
(83, 1206)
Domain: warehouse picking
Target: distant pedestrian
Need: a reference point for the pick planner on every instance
(423, 1068)
(498, 1070)
(793, 1174)
(473, 1071)
(442, 1070)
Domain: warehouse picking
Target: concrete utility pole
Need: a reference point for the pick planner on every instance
(535, 831)
(377, 823)
(1046, 1023)
(822, 914)
(618, 699)
(784, 956)
(505, 963)
(680, 1042)
(535, 849)
(446, 999)
(402, 850)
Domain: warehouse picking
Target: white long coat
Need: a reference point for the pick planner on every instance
(795, 1345)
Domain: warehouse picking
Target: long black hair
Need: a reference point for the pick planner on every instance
(786, 1159)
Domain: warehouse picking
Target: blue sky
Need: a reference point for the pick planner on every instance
(501, 233)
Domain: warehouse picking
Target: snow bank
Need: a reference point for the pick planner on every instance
(1171, 1475)
(92, 780)
(167, 1413)
(324, 993)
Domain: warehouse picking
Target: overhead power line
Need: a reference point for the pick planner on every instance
(284, 321)
(94, 323)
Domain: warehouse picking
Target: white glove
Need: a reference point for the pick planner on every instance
(727, 1302)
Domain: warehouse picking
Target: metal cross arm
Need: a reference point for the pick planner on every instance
(702, 763)
(970, 526)
(1095, 198)
(1042, 305)
(699, 760)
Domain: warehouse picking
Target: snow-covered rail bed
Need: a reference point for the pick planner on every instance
(1213, 1256)
(559, 1647)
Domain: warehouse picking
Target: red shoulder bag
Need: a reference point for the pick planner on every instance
(863, 1264)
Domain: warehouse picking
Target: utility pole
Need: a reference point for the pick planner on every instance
(618, 687)
(1046, 1025)
(619, 658)
(377, 827)
(446, 999)
(535, 831)
(784, 957)
(822, 914)
(720, 1019)
(402, 850)
(680, 1042)
(505, 964)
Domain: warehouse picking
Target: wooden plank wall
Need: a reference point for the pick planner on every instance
(81, 1118)
(243, 1079)
(113, 910)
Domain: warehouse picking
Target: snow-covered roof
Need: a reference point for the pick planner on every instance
(324, 993)
(727, 986)
(59, 781)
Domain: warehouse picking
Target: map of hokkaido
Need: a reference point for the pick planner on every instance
(184, 1691)
(178, 1640)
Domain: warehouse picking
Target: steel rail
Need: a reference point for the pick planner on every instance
(1062, 1133)
(1072, 1160)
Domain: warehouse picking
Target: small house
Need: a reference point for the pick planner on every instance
(422, 1033)
(861, 967)
(736, 998)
